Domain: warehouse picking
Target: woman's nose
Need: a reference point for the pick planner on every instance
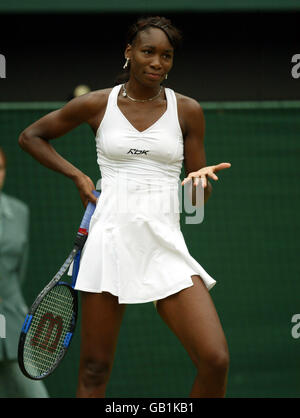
(155, 63)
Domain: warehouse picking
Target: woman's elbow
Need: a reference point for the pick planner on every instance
(23, 139)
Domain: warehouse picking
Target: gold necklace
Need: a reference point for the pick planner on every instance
(125, 94)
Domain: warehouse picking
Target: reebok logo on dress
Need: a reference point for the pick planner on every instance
(137, 151)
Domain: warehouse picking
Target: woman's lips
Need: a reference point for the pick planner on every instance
(153, 76)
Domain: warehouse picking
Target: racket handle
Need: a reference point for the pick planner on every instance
(85, 223)
(75, 270)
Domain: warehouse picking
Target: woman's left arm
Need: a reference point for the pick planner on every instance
(194, 150)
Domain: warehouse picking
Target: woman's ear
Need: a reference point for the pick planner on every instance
(127, 53)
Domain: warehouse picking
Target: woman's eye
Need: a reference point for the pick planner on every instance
(147, 51)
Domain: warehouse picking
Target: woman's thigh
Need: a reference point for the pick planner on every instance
(192, 316)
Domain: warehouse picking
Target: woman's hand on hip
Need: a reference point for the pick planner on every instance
(85, 187)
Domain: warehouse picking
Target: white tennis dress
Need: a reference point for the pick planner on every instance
(135, 249)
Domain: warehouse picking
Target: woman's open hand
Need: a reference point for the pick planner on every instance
(203, 172)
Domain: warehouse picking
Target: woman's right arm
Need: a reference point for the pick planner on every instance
(35, 138)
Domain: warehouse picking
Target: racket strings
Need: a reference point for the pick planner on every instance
(50, 323)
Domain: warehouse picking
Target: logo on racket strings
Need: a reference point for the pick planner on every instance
(48, 325)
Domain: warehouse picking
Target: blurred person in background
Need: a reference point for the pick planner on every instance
(14, 240)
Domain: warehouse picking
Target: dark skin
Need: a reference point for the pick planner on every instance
(190, 313)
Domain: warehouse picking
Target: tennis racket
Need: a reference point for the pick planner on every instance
(50, 323)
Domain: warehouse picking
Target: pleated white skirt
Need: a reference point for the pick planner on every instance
(138, 257)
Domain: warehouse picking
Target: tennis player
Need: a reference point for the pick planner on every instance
(143, 132)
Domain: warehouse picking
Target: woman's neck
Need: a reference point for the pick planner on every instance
(139, 91)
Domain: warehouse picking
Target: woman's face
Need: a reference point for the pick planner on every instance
(151, 56)
(2, 170)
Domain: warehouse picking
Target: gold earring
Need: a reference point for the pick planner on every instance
(126, 63)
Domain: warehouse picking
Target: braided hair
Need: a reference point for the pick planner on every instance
(173, 34)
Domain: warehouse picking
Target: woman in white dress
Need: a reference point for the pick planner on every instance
(144, 132)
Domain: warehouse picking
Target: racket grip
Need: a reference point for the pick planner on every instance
(84, 226)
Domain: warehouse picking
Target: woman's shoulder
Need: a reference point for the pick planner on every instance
(186, 102)
(189, 111)
(97, 97)
(94, 104)
(90, 104)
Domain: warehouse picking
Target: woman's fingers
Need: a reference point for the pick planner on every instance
(221, 166)
(196, 181)
(195, 177)
(92, 198)
(187, 179)
(204, 181)
(213, 176)
(88, 197)
(203, 172)
(86, 186)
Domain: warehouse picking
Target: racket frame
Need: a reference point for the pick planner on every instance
(80, 240)
(27, 323)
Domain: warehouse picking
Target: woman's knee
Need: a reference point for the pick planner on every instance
(95, 372)
(215, 361)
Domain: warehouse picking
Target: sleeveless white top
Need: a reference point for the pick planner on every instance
(135, 249)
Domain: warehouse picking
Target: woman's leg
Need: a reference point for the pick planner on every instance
(191, 315)
(101, 320)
